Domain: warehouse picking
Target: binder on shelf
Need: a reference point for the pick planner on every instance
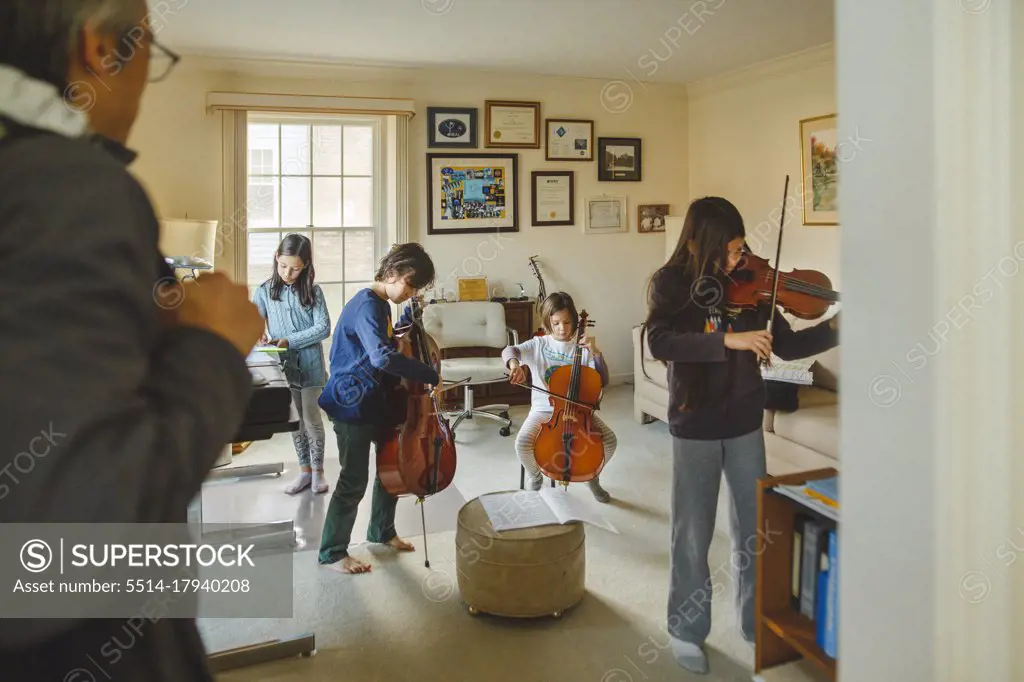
(809, 569)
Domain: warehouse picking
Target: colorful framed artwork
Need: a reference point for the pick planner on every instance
(650, 218)
(472, 193)
(568, 139)
(453, 127)
(619, 159)
(512, 124)
(552, 198)
(819, 168)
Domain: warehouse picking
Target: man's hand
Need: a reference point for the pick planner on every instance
(218, 305)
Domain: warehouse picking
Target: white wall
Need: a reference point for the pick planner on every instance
(180, 163)
(745, 138)
(887, 621)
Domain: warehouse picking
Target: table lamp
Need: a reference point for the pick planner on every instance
(188, 244)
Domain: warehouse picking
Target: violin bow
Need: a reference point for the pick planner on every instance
(543, 390)
(778, 269)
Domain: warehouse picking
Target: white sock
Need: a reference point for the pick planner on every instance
(319, 484)
(534, 482)
(300, 483)
(690, 656)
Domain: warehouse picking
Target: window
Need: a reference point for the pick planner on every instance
(320, 176)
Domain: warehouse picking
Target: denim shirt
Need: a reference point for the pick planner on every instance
(303, 328)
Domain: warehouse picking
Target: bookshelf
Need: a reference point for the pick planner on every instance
(783, 633)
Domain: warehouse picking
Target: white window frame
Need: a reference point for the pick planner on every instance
(391, 192)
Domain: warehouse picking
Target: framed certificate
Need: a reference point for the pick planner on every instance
(606, 215)
(472, 289)
(554, 198)
(568, 139)
(512, 124)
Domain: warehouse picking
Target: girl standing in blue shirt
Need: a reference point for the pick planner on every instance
(298, 321)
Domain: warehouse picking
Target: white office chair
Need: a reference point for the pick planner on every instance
(472, 324)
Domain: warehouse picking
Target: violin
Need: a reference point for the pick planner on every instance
(569, 447)
(805, 294)
(417, 456)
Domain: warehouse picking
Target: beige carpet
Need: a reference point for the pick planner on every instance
(404, 622)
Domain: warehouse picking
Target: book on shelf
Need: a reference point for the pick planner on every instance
(815, 578)
(548, 506)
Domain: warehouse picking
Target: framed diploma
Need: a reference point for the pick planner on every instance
(512, 124)
(606, 215)
(568, 139)
(553, 200)
(453, 127)
(472, 193)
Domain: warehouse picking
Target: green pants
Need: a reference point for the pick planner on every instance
(354, 453)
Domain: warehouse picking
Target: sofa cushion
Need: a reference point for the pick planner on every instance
(656, 370)
(815, 427)
(807, 397)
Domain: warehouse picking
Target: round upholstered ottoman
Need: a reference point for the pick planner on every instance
(520, 573)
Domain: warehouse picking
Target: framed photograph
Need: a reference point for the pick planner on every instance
(472, 193)
(553, 200)
(512, 124)
(819, 169)
(453, 127)
(568, 139)
(619, 159)
(651, 218)
(606, 215)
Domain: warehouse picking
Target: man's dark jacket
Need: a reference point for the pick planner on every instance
(142, 410)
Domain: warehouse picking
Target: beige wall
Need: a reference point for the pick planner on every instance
(180, 163)
(745, 138)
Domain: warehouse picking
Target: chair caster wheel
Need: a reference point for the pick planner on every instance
(556, 614)
(505, 431)
(473, 611)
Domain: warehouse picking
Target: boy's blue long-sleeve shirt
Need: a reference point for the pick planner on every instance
(365, 362)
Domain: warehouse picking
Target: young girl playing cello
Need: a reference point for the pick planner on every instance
(716, 410)
(543, 354)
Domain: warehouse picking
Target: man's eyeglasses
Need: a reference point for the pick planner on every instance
(161, 61)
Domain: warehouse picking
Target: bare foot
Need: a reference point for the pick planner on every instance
(400, 544)
(349, 565)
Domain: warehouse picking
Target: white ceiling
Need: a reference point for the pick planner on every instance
(652, 40)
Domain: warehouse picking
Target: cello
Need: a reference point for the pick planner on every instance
(418, 456)
(569, 447)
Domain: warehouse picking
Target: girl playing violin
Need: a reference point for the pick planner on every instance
(716, 410)
(542, 354)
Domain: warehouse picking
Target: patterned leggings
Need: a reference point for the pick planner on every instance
(309, 439)
(530, 429)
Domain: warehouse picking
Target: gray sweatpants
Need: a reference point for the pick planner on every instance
(696, 474)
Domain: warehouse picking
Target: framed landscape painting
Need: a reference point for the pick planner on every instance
(819, 169)
(472, 193)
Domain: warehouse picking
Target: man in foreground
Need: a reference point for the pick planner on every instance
(136, 393)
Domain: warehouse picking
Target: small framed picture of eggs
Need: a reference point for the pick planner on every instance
(452, 127)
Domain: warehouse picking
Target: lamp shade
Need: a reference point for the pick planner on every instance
(184, 237)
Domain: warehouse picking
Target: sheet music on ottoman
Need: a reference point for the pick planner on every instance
(530, 509)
